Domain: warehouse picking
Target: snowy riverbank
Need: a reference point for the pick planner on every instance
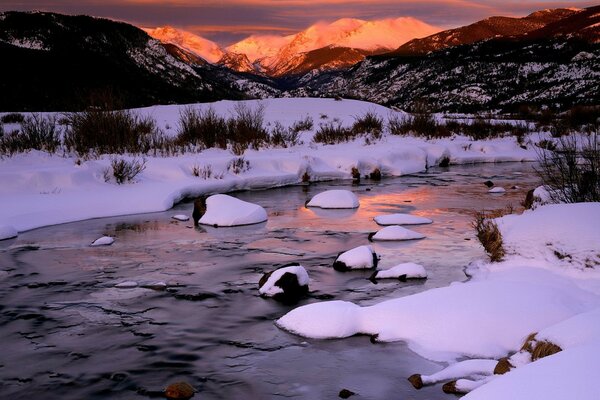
(39, 189)
(549, 284)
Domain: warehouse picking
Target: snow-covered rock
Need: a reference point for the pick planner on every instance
(103, 241)
(497, 189)
(8, 232)
(362, 257)
(401, 219)
(395, 232)
(402, 271)
(286, 283)
(127, 285)
(462, 369)
(334, 199)
(224, 210)
(181, 217)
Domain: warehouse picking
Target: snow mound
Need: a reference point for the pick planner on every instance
(334, 199)
(460, 320)
(270, 287)
(571, 374)
(103, 241)
(396, 232)
(403, 271)
(8, 232)
(401, 219)
(224, 210)
(462, 369)
(362, 257)
(181, 217)
(126, 285)
(497, 189)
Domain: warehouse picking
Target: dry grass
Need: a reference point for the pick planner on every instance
(489, 235)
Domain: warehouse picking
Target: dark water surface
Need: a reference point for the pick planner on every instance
(68, 333)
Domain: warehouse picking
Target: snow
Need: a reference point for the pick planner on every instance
(410, 270)
(395, 232)
(497, 189)
(181, 217)
(270, 289)
(126, 285)
(224, 210)
(103, 241)
(7, 232)
(40, 189)
(571, 374)
(204, 48)
(462, 369)
(334, 199)
(401, 219)
(357, 258)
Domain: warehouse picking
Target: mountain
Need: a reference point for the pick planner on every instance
(58, 62)
(488, 28)
(556, 65)
(208, 50)
(357, 34)
(322, 46)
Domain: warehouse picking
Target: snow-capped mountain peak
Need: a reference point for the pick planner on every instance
(191, 42)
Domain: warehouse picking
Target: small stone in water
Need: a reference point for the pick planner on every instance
(179, 391)
(345, 393)
(126, 285)
(181, 217)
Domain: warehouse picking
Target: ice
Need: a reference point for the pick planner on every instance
(408, 270)
(497, 189)
(7, 232)
(181, 217)
(103, 241)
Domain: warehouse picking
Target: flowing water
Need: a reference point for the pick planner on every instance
(68, 333)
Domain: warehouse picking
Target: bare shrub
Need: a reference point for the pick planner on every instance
(305, 124)
(489, 235)
(123, 170)
(204, 172)
(111, 132)
(247, 126)
(37, 133)
(282, 137)
(238, 165)
(399, 125)
(355, 174)
(333, 133)
(202, 127)
(12, 118)
(571, 172)
(369, 123)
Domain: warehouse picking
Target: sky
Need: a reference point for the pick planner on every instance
(227, 21)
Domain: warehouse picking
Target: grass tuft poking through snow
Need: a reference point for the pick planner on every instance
(489, 236)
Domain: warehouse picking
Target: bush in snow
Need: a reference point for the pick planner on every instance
(123, 170)
(282, 137)
(202, 127)
(333, 133)
(105, 131)
(489, 235)
(370, 124)
(13, 118)
(571, 172)
(305, 124)
(238, 165)
(37, 133)
(246, 128)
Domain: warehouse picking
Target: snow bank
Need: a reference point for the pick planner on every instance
(401, 219)
(270, 289)
(40, 189)
(224, 210)
(396, 232)
(334, 199)
(7, 232)
(362, 257)
(571, 374)
(406, 270)
(486, 319)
